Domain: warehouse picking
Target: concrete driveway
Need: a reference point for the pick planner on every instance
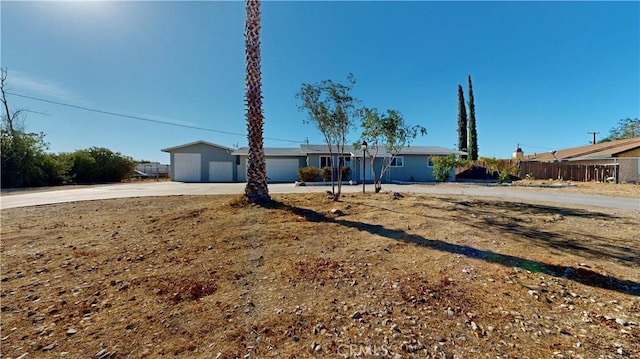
(121, 190)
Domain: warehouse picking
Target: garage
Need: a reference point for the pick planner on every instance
(187, 167)
(282, 169)
(220, 171)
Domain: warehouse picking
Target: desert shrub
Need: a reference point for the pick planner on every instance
(239, 201)
(327, 173)
(308, 174)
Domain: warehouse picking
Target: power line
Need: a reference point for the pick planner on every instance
(142, 118)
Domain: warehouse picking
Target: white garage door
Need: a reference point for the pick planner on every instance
(282, 170)
(220, 171)
(187, 167)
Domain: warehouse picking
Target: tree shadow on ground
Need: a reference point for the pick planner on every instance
(518, 220)
(580, 275)
(514, 218)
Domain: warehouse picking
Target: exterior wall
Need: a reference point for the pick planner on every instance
(630, 153)
(356, 169)
(415, 169)
(242, 166)
(313, 160)
(207, 154)
(629, 170)
(242, 169)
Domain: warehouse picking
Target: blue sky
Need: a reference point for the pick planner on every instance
(544, 73)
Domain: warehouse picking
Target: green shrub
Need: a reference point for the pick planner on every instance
(503, 176)
(308, 174)
(100, 165)
(442, 167)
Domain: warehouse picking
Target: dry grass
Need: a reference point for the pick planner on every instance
(605, 189)
(421, 275)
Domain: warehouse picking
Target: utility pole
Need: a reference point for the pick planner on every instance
(594, 136)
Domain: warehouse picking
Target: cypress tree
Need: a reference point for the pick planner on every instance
(462, 122)
(473, 134)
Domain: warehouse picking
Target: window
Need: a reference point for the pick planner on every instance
(429, 162)
(397, 161)
(325, 161)
(344, 161)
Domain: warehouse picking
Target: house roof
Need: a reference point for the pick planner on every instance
(171, 149)
(411, 150)
(305, 150)
(597, 151)
(271, 151)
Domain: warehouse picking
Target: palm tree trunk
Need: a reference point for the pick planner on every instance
(256, 189)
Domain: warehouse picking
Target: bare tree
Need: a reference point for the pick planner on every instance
(331, 108)
(385, 131)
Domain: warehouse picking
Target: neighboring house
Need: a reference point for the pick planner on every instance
(412, 164)
(202, 161)
(618, 159)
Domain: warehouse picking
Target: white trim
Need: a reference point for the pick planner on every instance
(392, 159)
(171, 149)
(330, 164)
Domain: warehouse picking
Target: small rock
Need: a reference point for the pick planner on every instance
(101, 352)
(622, 352)
(622, 322)
(336, 212)
(71, 332)
(356, 315)
(49, 347)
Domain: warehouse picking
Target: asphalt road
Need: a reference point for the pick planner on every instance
(145, 189)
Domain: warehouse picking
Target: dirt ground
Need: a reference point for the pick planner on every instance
(599, 188)
(411, 276)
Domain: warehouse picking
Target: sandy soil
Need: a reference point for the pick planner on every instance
(414, 276)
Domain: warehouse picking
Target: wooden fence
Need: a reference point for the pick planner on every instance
(569, 172)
